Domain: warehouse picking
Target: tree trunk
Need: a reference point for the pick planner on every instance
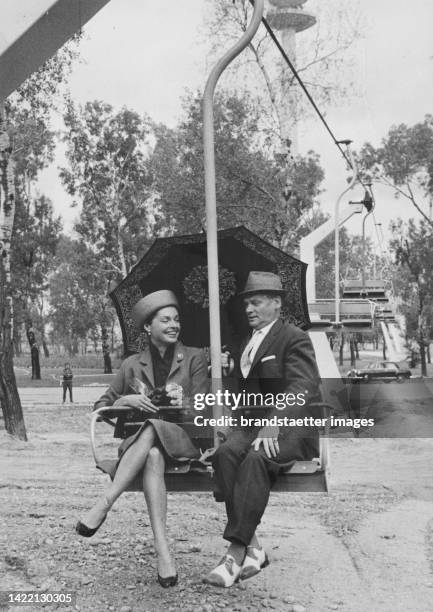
(352, 353)
(44, 340)
(428, 353)
(422, 353)
(17, 341)
(45, 347)
(106, 350)
(341, 349)
(9, 398)
(356, 343)
(75, 345)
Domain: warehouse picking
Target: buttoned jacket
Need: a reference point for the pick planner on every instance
(189, 369)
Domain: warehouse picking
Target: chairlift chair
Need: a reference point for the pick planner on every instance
(197, 476)
(303, 476)
(373, 289)
(355, 314)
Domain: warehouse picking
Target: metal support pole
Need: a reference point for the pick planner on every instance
(337, 235)
(363, 240)
(363, 249)
(210, 193)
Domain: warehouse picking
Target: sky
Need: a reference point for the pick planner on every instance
(145, 54)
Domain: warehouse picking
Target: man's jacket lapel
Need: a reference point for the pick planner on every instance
(267, 342)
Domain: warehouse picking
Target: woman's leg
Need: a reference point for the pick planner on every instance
(131, 463)
(156, 499)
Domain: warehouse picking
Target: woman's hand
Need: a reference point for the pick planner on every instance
(175, 394)
(140, 402)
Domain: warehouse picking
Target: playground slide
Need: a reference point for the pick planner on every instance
(333, 388)
(397, 337)
(392, 344)
(324, 355)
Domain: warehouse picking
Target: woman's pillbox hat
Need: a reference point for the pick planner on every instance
(263, 282)
(151, 303)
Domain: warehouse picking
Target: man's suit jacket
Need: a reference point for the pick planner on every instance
(285, 362)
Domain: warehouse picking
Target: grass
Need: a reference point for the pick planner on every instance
(50, 377)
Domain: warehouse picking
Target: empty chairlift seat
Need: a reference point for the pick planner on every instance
(356, 314)
(373, 289)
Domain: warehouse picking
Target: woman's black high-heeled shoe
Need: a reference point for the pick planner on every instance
(85, 531)
(170, 581)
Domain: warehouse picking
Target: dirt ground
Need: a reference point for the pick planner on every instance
(367, 545)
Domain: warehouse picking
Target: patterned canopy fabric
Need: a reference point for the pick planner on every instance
(179, 263)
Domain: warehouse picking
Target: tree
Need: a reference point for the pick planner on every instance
(35, 236)
(413, 248)
(106, 151)
(107, 174)
(30, 105)
(78, 276)
(404, 162)
(251, 180)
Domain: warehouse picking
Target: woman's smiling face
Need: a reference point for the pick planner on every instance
(165, 326)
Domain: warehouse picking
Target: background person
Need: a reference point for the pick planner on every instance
(67, 382)
(170, 368)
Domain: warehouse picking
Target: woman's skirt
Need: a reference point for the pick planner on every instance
(171, 439)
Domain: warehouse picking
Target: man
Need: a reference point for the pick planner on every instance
(277, 358)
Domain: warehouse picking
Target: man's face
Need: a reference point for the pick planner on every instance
(261, 309)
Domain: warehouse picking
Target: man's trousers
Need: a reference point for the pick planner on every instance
(244, 477)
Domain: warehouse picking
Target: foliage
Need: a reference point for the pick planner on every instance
(251, 181)
(413, 248)
(77, 295)
(35, 237)
(404, 162)
(106, 151)
(27, 112)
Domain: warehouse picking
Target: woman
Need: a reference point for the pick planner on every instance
(182, 371)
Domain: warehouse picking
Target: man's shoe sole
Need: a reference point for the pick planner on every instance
(251, 571)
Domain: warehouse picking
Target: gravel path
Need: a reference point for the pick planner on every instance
(368, 545)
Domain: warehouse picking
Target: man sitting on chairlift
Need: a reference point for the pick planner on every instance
(277, 358)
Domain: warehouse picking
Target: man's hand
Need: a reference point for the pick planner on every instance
(227, 363)
(140, 402)
(268, 436)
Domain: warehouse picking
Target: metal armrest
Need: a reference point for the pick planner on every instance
(98, 415)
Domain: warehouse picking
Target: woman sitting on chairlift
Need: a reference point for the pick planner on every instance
(165, 373)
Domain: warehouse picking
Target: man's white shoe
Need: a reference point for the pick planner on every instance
(255, 560)
(225, 574)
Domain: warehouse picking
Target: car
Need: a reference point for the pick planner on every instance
(381, 370)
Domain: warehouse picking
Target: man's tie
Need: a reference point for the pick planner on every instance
(249, 352)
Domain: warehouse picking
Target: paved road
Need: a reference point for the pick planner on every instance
(400, 410)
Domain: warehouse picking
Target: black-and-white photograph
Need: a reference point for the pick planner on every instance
(216, 305)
